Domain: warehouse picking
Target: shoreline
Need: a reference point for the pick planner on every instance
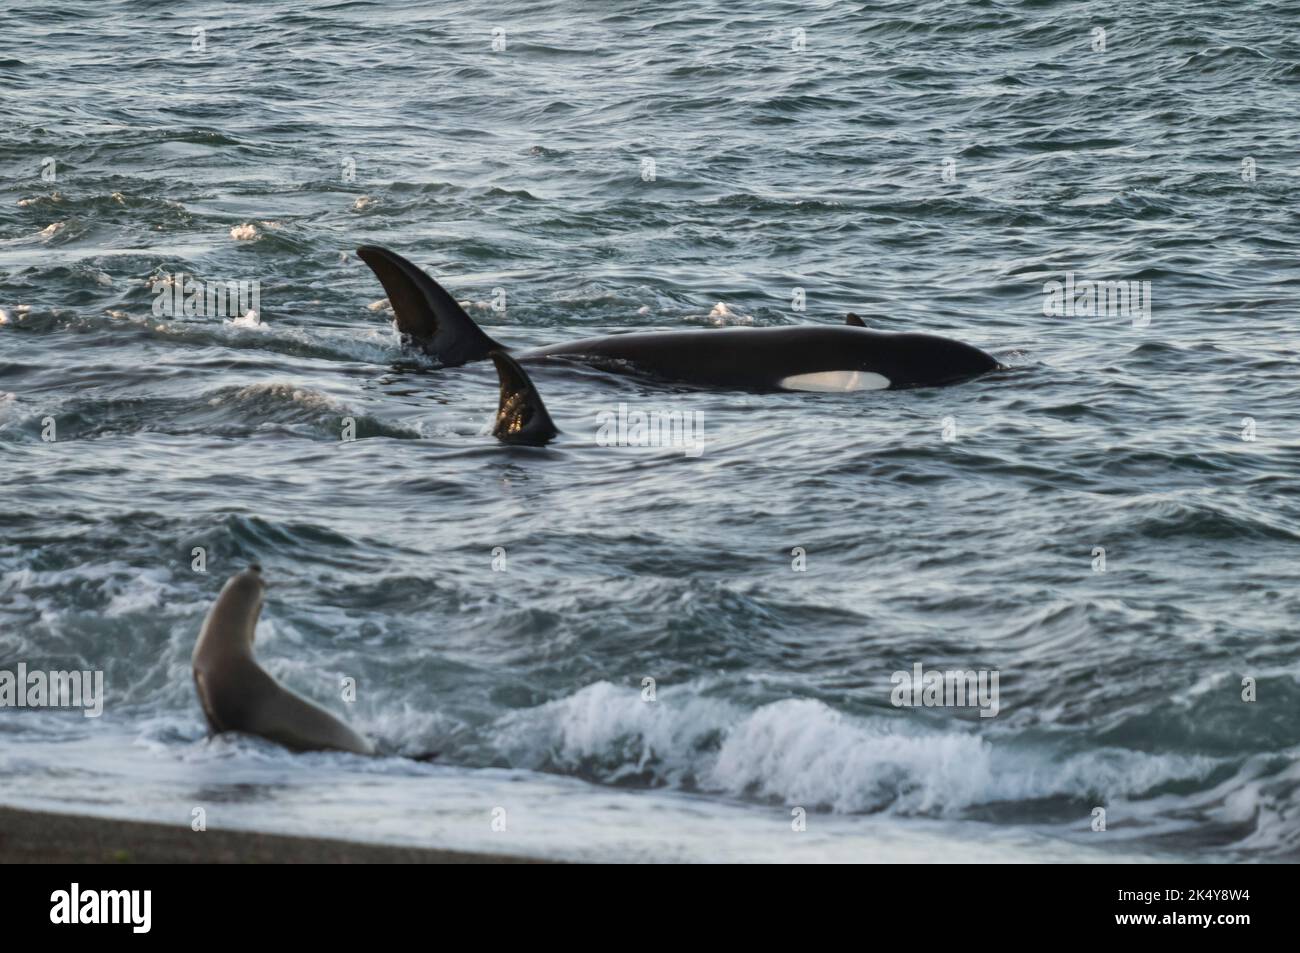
(40, 837)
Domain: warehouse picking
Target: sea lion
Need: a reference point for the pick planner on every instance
(238, 695)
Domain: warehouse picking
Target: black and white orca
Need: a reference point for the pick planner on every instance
(818, 358)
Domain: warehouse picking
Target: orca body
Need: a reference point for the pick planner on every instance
(817, 358)
(807, 357)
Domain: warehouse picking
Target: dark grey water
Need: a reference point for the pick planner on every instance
(928, 165)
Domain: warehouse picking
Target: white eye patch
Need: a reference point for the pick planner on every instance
(835, 382)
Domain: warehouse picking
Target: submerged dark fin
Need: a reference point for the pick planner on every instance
(388, 751)
(426, 313)
(854, 320)
(521, 415)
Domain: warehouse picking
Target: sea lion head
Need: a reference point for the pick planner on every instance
(232, 620)
(248, 584)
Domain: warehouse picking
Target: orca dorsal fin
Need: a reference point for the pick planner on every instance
(854, 320)
(521, 415)
(426, 313)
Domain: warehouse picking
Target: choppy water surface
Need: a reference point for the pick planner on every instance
(774, 168)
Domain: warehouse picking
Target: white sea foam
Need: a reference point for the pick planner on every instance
(253, 784)
(112, 589)
(722, 315)
(801, 751)
(145, 590)
(52, 197)
(279, 391)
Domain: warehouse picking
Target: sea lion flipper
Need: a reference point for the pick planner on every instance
(426, 312)
(301, 725)
(205, 702)
(521, 415)
(854, 321)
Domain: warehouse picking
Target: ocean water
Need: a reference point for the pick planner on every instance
(1110, 524)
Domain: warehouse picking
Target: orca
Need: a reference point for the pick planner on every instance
(521, 415)
(815, 358)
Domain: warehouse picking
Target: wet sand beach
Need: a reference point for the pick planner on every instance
(36, 837)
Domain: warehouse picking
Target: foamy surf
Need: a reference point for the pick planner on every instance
(250, 785)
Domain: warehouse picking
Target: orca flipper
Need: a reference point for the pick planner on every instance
(521, 415)
(426, 313)
(854, 320)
